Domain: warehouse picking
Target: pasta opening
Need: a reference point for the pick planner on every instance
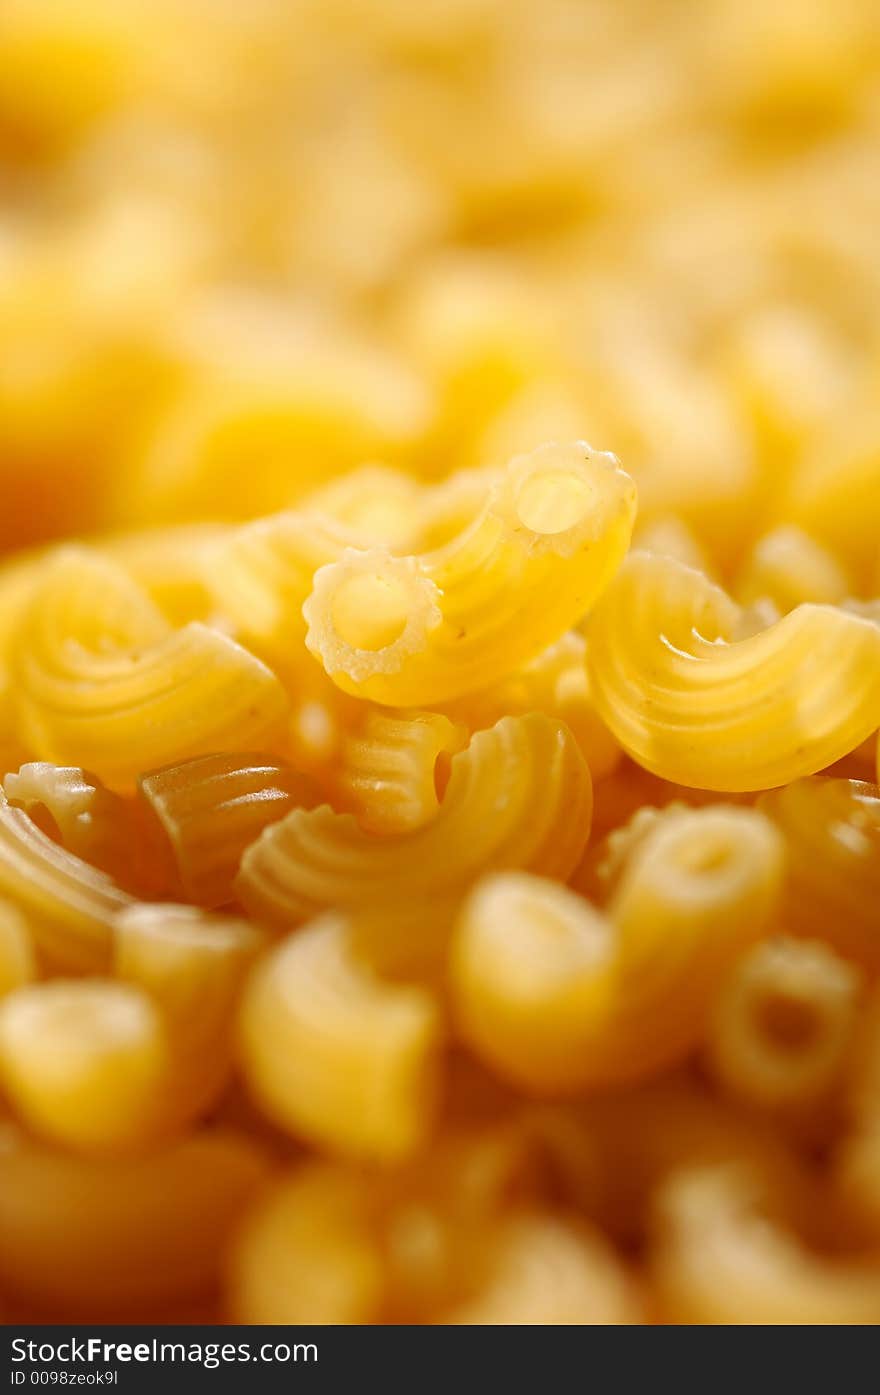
(370, 611)
(706, 857)
(787, 1022)
(553, 502)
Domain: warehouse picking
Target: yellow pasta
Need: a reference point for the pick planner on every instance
(558, 997)
(406, 630)
(333, 1053)
(720, 1260)
(193, 967)
(375, 946)
(86, 1238)
(694, 704)
(69, 905)
(556, 683)
(306, 1254)
(394, 769)
(263, 573)
(102, 680)
(832, 835)
(376, 504)
(204, 813)
(550, 1271)
(790, 568)
(82, 1062)
(490, 817)
(90, 821)
(783, 1026)
(17, 959)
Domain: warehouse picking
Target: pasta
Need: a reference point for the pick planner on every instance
(439, 857)
(204, 813)
(93, 823)
(17, 959)
(311, 860)
(336, 1055)
(783, 1025)
(692, 703)
(830, 829)
(559, 998)
(99, 656)
(122, 1236)
(82, 1062)
(69, 906)
(395, 768)
(721, 1261)
(400, 630)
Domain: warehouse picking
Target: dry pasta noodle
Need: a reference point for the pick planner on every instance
(831, 830)
(394, 769)
(692, 703)
(783, 1025)
(559, 997)
(312, 859)
(549, 538)
(192, 966)
(439, 857)
(335, 1054)
(719, 1260)
(103, 681)
(204, 813)
(69, 905)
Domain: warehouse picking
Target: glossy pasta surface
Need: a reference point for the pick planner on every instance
(439, 662)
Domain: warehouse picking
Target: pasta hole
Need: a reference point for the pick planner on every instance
(786, 1022)
(706, 857)
(553, 502)
(370, 611)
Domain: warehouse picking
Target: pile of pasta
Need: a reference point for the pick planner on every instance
(439, 661)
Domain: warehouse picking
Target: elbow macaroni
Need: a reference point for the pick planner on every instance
(694, 704)
(374, 946)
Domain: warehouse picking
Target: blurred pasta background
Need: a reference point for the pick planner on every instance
(439, 864)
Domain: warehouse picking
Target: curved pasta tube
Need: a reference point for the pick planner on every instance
(334, 1054)
(393, 767)
(718, 1259)
(85, 1238)
(783, 1025)
(205, 812)
(307, 1253)
(519, 796)
(790, 568)
(693, 704)
(263, 573)
(408, 631)
(103, 681)
(69, 905)
(832, 884)
(550, 1270)
(82, 1062)
(18, 964)
(558, 997)
(90, 821)
(193, 967)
